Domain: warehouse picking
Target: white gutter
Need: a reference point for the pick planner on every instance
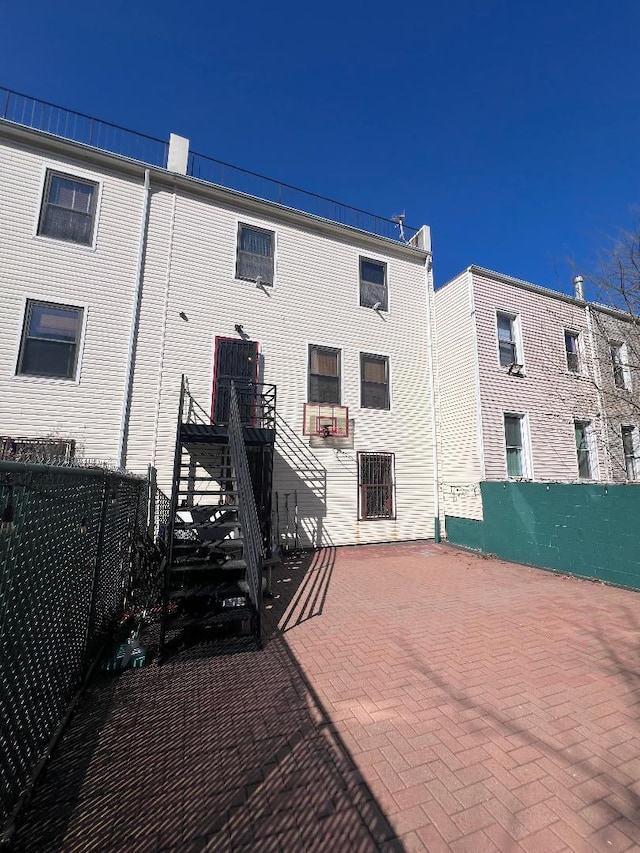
(432, 384)
(135, 315)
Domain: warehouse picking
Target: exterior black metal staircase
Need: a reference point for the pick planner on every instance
(219, 535)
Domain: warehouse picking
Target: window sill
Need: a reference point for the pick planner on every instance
(56, 241)
(521, 374)
(41, 380)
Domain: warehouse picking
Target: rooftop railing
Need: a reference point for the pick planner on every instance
(78, 127)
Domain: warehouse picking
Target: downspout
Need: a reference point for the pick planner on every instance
(597, 378)
(133, 330)
(432, 392)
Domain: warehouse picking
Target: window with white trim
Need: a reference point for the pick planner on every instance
(631, 448)
(621, 375)
(376, 485)
(68, 208)
(50, 340)
(584, 450)
(515, 446)
(508, 344)
(254, 257)
(324, 375)
(572, 350)
(374, 381)
(373, 284)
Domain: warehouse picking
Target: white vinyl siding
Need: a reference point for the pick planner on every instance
(315, 303)
(60, 272)
(460, 444)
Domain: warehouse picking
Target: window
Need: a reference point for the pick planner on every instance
(583, 449)
(630, 446)
(324, 375)
(507, 340)
(68, 209)
(374, 381)
(376, 485)
(255, 254)
(571, 345)
(50, 340)
(621, 376)
(514, 443)
(373, 284)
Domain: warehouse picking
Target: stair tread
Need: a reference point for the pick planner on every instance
(207, 566)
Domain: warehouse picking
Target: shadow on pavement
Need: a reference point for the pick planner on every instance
(217, 752)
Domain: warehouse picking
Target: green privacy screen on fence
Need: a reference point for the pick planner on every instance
(590, 530)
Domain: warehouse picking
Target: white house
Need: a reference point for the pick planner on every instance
(120, 275)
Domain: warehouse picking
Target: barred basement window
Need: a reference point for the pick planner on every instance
(376, 485)
(255, 254)
(68, 209)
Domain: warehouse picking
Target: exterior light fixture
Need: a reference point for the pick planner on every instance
(82, 529)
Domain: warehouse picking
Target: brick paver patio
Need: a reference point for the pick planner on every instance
(412, 698)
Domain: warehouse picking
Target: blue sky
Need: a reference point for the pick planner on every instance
(511, 128)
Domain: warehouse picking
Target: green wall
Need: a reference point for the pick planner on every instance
(582, 529)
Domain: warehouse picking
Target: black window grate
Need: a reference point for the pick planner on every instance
(376, 485)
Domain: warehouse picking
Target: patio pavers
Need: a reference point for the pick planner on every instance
(409, 697)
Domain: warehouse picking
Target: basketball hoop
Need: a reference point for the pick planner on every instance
(326, 420)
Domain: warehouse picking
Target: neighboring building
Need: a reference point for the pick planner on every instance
(533, 385)
(120, 275)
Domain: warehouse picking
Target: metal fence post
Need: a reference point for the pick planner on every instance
(91, 621)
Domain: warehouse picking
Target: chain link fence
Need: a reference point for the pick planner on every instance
(66, 541)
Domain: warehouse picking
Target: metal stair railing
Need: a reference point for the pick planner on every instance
(247, 513)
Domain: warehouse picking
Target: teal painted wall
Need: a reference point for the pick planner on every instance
(588, 530)
(465, 531)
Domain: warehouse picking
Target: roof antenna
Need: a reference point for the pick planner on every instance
(399, 220)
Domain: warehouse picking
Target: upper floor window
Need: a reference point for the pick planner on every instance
(374, 381)
(508, 344)
(50, 340)
(324, 375)
(514, 433)
(631, 447)
(583, 449)
(621, 376)
(572, 349)
(254, 261)
(68, 209)
(373, 284)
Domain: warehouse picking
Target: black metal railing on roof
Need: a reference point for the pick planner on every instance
(78, 127)
(251, 183)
